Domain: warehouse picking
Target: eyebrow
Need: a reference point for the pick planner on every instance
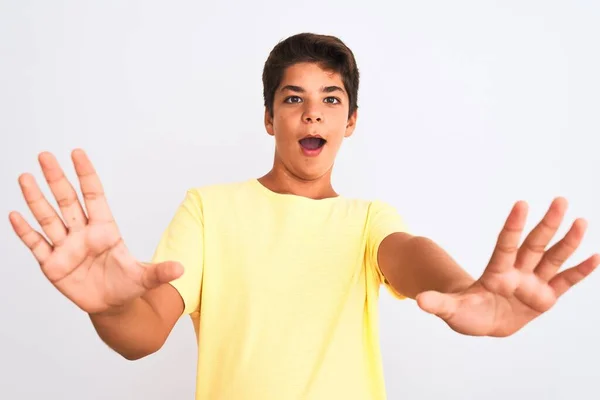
(299, 89)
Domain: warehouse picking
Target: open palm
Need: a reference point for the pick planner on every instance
(83, 255)
(520, 282)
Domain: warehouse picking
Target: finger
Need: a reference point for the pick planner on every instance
(507, 245)
(570, 277)
(39, 246)
(43, 212)
(63, 191)
(556, 256)
(439, 304)
(156, 274)
(91, 188)
(534, 246)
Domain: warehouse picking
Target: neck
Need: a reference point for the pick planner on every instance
(280, 180)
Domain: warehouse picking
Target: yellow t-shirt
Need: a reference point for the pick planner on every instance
(282, 290)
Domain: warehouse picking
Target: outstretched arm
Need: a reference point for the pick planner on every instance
(519, 283)
(131, 304)
(415, 264)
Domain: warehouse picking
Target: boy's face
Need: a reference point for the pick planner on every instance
(310, 120)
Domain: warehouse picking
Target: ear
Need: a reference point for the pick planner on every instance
(269, 122)
(351, 124)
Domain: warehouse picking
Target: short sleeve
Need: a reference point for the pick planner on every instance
(182, 241)
(383, 221)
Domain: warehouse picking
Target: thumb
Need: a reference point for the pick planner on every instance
(155, 275)
(436, 303)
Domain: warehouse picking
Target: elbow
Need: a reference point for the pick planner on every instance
(137, 354)
(134, 354)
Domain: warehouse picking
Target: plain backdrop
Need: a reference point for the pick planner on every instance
(465, 108)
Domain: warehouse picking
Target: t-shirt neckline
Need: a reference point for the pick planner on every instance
(289, 196)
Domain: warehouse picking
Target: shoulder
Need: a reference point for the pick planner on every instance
(380, 217)
(373, 207)
(219, 198)
(383, 219)
(223, 190)
(381, 206)
(195, 197)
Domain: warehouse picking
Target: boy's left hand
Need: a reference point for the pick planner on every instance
(519, 283)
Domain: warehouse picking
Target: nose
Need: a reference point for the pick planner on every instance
(311, 116)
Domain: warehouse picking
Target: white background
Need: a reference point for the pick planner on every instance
(465, 107)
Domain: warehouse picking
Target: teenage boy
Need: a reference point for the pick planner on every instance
(281, 274)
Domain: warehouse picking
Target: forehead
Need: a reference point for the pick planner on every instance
(310, 76)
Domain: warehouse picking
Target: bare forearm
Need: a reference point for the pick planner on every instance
(423, 266)
(134, 332)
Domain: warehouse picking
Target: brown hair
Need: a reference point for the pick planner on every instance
(328, 51)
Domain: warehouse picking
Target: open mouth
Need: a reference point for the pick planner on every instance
(312, 142)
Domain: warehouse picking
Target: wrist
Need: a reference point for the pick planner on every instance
(115, 311)
(460, 286)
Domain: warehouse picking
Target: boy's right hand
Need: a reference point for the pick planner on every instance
(84, 256)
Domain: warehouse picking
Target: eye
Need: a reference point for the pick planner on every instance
(332, 100)
(292, 99)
